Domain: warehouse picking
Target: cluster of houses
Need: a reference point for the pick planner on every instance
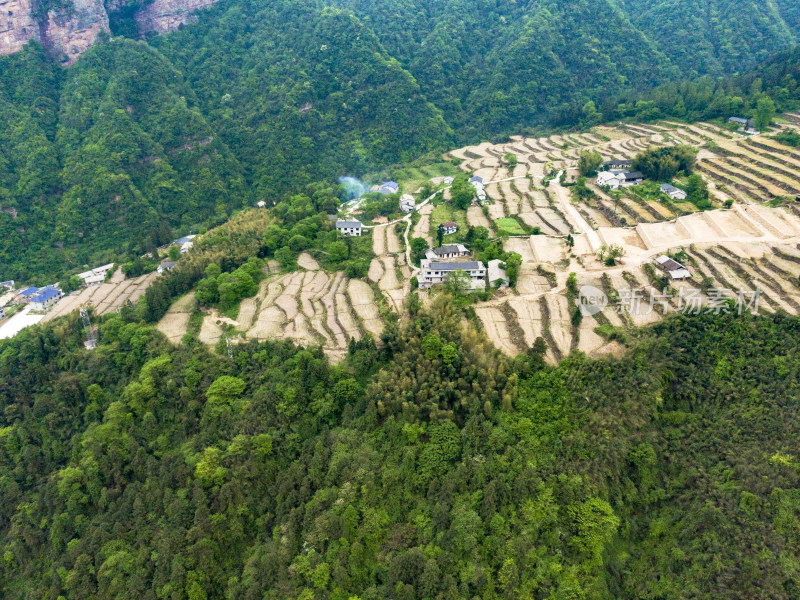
(435, 268)
(480, 189)
(95, 276)
(618, 175)
(39, 299)
(185, 243)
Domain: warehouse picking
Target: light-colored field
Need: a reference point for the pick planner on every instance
(423, 227)
(306, 261)
(104, 298)
(745, 246)
(476, 218)
(393, 245)
(379, 241)
(175, 323)
(495, 326)
(310, 307)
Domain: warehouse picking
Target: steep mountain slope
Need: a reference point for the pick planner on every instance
(491, 66)
(129, 153)
(258, 100)
(132, 150)
(715, 36)
(149, 471)
(304, 101)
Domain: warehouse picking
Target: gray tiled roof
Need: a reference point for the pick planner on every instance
(455, 266)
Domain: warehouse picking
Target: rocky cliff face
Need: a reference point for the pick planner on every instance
(17, 25)
(162, 16)
(68, 32)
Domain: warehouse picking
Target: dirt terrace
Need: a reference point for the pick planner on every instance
(750, 246)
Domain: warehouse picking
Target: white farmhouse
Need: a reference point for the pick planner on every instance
(449, 228)
(349, 228)
(497, 274)
(433, 273)
(610, 179)
(673, 192)
(447, 251)
(618, 179)
(407, 203)
(674, 269)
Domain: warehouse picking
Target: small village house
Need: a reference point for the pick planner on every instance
(673, 192)
(390, 187)
(617, 165)
(447, 251)
(449, 228)
(480, 190)
(675, 270)
(746, 124)
(619, 179)
(497, 274)
(407, 203)
(46, 298)
(349, 228)
(92, 280)
(434, 273)
(166, 265)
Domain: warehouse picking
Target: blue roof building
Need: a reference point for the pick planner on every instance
(390, 187)
(29, 292)
(47, 298)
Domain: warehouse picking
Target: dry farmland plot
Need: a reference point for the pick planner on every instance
(175, 323)
(423, 227)
(104, 298)
(390, 284)
(311, 308)
(363, 301)
(305, 261)
(379, 241)
(495, 326)
(476, 218)
(393, 245)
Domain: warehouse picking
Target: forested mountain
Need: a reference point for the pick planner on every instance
(432, 468)
(716, 36)
(139, 141)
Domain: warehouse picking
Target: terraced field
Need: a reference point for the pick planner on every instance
(751, 245)
(389, 269)
(310, 307)
(175, 323)
(104, 298)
